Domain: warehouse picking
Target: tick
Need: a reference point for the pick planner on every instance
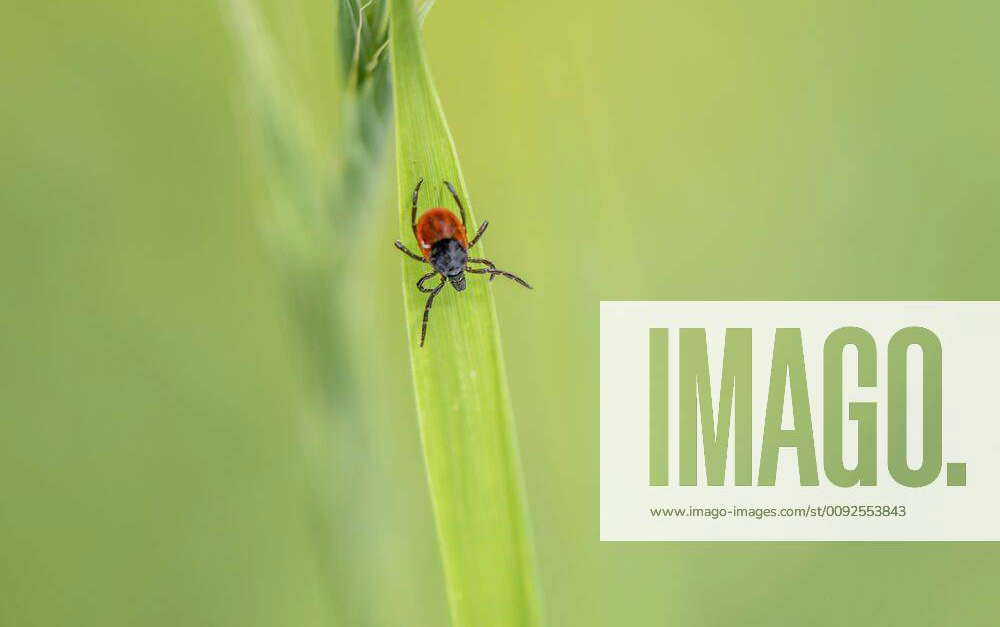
(445, 246)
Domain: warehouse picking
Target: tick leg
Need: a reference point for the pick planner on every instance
(420, 283)
(486, 262)
(413, 212)
(494, 272)
(454, 194)
(427, 308)
(479, 233)
(406, 251)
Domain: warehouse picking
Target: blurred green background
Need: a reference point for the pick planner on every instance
(153, 457)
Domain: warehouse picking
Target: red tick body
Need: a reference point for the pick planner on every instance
(445, 245)
(436, 225)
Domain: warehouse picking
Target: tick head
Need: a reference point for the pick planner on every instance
(448, 257)
(458, 281)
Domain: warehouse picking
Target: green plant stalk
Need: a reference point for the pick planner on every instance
(466, 421)
(315, 209)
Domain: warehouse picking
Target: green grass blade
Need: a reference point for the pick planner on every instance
(466, 422)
